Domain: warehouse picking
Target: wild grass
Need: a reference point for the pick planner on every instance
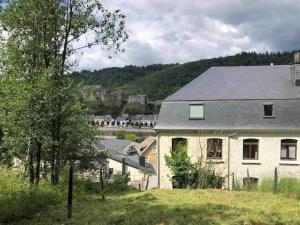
(287, 185)
(18, 200)
(22, 205)
(180, 207)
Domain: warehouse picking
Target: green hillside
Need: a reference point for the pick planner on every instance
(159, 81)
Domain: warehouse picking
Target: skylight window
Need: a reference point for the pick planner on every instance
(268, 110)
(197, 111)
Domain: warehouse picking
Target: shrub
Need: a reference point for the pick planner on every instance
(195, 175)
(120, 182)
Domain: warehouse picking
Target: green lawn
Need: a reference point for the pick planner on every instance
(176, 207)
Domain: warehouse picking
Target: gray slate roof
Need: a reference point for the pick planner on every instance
(117, 149)
(233, 99)
(240, 82)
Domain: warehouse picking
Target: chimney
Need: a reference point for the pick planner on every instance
(295, 69)
(142, 161)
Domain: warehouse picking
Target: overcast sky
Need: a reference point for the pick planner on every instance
(170, 31)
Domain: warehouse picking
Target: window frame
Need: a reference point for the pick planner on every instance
(273, 109)
(288, 150)
(197, 118)
(219, 140)
(250, 144)
(154, 149)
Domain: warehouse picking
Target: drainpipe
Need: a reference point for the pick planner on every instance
(158, 159)
(228, 165)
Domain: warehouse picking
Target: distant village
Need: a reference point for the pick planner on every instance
(98, 93)
(124, 120)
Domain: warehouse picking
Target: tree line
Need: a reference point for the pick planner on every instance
(159, 81)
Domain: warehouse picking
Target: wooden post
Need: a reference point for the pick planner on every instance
(248, 180)
(275, 181)
(70, 191)
(102, 185)
(147, 182)
(123, 166)
(140, 187)
(233, 184)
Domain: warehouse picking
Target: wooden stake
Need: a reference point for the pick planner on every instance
(233, 184)
(275, 181)
(70, 191)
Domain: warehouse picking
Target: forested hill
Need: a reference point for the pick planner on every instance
(159, 81)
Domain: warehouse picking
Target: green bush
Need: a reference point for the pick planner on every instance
(195, 175)
(119, 182)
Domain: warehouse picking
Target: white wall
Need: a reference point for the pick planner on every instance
(135, 174)
(269, 154)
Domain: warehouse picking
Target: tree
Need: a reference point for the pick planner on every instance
(43, 118)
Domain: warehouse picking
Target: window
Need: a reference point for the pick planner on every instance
(288, 149)
(250, 149)
(214, 148)
(197, 111)
(146, 159)
(154, 149)
(268, 110)
(178, 142)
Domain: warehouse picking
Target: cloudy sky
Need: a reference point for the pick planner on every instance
(170, 31)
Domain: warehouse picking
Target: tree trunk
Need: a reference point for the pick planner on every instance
(31, 167)
(38, 162)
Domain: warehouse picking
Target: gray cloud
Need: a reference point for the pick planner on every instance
(169, 31)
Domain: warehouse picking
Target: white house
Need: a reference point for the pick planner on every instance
(239, 118)
(124, 156)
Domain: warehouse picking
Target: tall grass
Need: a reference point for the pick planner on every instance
(18, 200)
(286, 185)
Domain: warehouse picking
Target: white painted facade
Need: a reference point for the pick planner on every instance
(232, 161)
(135, 174)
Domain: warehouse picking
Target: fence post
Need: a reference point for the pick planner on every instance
(70, 191)
(248, 180)
(233, 184)
(275, 181)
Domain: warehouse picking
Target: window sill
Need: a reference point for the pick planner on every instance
(289, 163)
(251, 162)
(215, 161)
(269, 117)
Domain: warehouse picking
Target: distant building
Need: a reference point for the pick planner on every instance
(124, 156)
(141, 99)
(148, 149)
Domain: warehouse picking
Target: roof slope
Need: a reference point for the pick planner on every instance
(118, 148)
(240, 82)
(231, 115)
(233, 99)
(146, 144)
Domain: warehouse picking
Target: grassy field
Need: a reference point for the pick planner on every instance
(176, 207)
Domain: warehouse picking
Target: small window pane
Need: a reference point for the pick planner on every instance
(292, 152)
(283, 152)
(246, 152)
(268, 110)
(196, 112)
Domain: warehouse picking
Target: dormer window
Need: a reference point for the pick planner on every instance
(268, 110)
(197, 112)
